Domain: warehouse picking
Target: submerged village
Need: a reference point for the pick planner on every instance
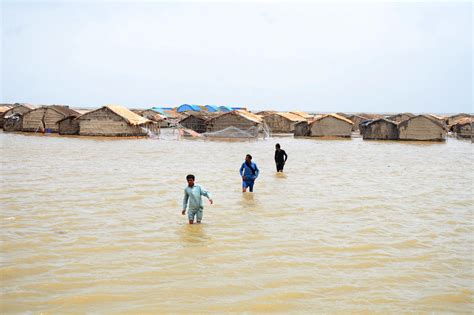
(228, 122)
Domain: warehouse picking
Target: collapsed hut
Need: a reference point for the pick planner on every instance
(237, 123)
(423, 128)
(356, 120)
(155, 116)
(400, 117)
(196, 121)
(115, 121)
(463, 127)
(282, 122)
(302, 129)
(46, 118)
(331, 125)
(379, 129)
(3, 109)
(20, 108)
(13, 122)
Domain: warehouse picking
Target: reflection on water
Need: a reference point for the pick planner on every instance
(95, 226)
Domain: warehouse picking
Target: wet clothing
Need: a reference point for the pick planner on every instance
(280, 159)
(193, 196)
(251, 173)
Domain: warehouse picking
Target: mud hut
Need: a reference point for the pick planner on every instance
(421, 127)
(463, 127)
(237, 123)
(302, 129)
(400, 117)
(282, 122)
(302, 114)
(331, 125)
(21, 108)
(46, 118)
(380, 129)
(356, 119)
(196, 121)
(114, 121)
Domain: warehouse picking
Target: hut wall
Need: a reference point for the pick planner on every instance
(106, 123)
(356, 120)
(225, 121)
(302, 129)
(278, 123)
(380, 130)
(33, 120)
(330, 127)
(51, 119)
(194, 123)
(69, 126)
(420, 128)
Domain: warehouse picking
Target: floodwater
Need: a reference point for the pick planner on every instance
(95, 226)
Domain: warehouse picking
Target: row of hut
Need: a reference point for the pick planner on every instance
(115, 120)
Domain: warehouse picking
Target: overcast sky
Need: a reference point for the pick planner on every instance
(367, 56)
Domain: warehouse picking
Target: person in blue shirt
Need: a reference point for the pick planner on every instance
(192, 194)
(249, 172)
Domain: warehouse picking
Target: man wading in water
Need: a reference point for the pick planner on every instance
(280, 158)
(249, 172)
(193, 193)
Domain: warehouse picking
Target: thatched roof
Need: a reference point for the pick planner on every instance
(433, 120)
(372, 121)
(4, 108)
(199, 115)
(126, 114)
(464, 121)
(290, 116)
(265, 112)
(302, 114)
(248, 115)
(65, 110)
(334, 116)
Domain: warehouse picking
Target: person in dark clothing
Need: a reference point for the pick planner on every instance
(280, 158)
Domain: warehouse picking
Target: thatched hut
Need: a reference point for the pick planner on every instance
(239, 123)
(356, 119)
(380, 129)
(400, 117)
(331, 125)
(463, 127)
(196, 121)
(282, 122)
(20, 108)
(46, 118)
(302, 129)
(68, 126)
(114, 121)
(421, 127)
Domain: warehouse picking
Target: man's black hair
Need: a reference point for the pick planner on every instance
(277, 145)
(249, 156)
(190, 176)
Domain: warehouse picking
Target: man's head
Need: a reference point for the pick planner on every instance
(190, 179)
(277, 146)
(248, 158)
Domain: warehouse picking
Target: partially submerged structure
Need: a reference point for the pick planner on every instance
(235, 124)
(20, 108)
(302, 129)
(13, 122)
(421, 127)
(115, 120)
(380, 129)
(196, 121)
(356, 120)
(454, 118)
(46, 118)
(282, 122)
(156, 116)
(463, 127)
(331, 125)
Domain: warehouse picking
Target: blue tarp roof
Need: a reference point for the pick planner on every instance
(212, 108)
(186, 107)
(225, 109)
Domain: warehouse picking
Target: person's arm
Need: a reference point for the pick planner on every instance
(241, 171)
(257, 171)
(185, 202)
(207, 194)
(276, 156)
(286, 155)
